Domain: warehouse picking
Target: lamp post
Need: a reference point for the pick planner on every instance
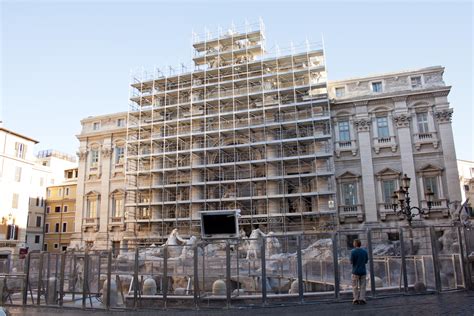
(401, 206)
(401, 201)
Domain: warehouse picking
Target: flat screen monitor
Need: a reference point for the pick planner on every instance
(220, 224)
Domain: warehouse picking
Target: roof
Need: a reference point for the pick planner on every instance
(19, 135)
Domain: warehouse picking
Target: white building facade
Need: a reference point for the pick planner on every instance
(386, 126)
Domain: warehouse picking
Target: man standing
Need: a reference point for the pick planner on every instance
(359, 258)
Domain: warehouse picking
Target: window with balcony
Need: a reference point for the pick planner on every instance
(422, 122)
(382, 127)
(92, 204)
(119, 155)
(349, 193)
(117, 203)
(377, 86)
(431, 183)
(344, 132)
(94, 160)
(388, 187)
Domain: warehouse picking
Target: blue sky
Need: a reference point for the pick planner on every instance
(62, 61)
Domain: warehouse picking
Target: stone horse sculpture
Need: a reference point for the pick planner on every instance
(174, 244)
(255, 243)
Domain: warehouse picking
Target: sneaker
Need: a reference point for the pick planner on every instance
(361, 302)
(355, 302)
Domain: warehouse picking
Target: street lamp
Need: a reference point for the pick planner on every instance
(401, 201)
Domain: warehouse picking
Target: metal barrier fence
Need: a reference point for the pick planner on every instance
(275, 269)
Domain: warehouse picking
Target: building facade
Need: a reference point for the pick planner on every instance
(16, 169)
(60, 213)
(386, 126)
(268, 136)
(100, 214)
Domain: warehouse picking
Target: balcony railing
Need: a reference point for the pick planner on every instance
(91, 222)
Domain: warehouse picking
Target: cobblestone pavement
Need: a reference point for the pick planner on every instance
(455, 303)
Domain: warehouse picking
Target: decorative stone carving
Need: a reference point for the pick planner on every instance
(362, 125)
(440, 93)
(106, 152)
(82, 154)
(399, 99)
(401, 120)
(444, 116)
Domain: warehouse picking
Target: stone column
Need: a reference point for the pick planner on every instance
(362, 125)
(401, 119)
(196, 190)
(443, 117)
(105, 158)
(81, 178)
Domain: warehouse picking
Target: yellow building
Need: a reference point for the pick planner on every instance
(60, 213)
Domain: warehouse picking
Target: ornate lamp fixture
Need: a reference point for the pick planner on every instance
(401, 201)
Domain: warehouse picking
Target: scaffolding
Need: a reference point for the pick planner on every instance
(246, 129)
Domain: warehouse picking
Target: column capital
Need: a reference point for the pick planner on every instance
(363, 124)
(444, 116)
(106, 152)
(401, 120)
(81, 154)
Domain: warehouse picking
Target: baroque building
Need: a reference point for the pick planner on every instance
(386, 126)
(266, 135)
(99, 218)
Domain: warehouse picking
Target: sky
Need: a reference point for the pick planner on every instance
(62, 61)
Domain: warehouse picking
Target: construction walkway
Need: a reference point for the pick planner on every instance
(454, 303)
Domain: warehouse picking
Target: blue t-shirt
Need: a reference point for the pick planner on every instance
(359, 258)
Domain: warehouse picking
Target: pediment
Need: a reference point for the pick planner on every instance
(388, 172)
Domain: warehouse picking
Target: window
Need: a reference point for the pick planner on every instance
(431, 183)
(65, 208)
(349, 194)
(15, 200)
(340, 91)
(117, 205)
(60, 192)
(350, 240)
(56, 228)
(18, 174)
(20, 150)
(422, 121)
(56, 246)
(119, 155)
(63, 248)
(388, 187)
(37, 239)
(96, 126)
(382, 127)
(38, 221)
(92, 207)
(64, 227)
(416, 82)
(12, 232)
(377, 86)
(344, 133)
(48, 193)
(66, 191)
(121, 122)
(37, 201)
(94, 157)
(41, 181)
(42, 202)
(46, 228)
(466, 187)
(57, 209)
(115, 248)
(48, 209)
(45, 247)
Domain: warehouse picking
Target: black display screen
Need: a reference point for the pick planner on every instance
(219, 224)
